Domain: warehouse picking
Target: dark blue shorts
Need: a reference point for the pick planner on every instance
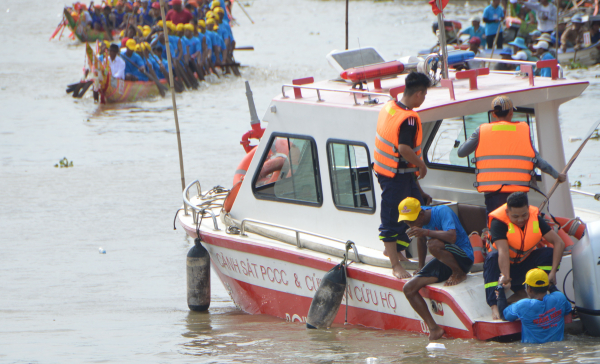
(435, 268)
(393, 191)
(539, 258)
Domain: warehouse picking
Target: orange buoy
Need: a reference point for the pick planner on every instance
(563, 232)
(230, 199)
(242, 168)
(568, 224)
(477, 245)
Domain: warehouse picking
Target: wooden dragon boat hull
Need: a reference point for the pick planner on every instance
(83, 33)
(117, 90)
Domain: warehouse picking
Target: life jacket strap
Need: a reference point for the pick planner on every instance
(497, 157)
(396, 170)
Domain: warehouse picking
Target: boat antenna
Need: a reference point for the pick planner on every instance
(442, 39)
(172, 84)
(369, 101)
(347, 24)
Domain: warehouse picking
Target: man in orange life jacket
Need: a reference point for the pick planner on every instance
(396, 163)
(516, 228)
(504, 159)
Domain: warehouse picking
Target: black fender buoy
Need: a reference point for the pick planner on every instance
(328, 298)
(198, 277)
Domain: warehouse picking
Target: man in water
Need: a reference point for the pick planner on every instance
(543, 314)
(397, 164)
(516, 228)
(438, 229)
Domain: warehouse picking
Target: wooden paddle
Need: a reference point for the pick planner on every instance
(246, 48)
(566, 169)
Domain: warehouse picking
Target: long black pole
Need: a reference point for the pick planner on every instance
(347, 24)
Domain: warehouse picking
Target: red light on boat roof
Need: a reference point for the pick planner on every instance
(373, 71)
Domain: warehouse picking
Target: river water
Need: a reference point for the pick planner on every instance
(61, 301)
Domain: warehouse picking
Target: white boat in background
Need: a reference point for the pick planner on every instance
(586, 57)
(285, 230)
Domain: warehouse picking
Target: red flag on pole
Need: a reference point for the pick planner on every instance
(434, 6)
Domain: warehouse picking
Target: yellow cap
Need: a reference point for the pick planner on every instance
(146, 32)
(180, 27)
(122, 33)
(169, 23)
(146, 27)
(140, 27)
(148, 46)
(209, 14)
(215, 3)
(201, 23)
(210, 21)
(139, 48)
(188, 27)
(536, 278)
(171, 27)
(219, 10)
(409, 209)
(107, 43)
(159, 23)
(131, 44)
(215, 28)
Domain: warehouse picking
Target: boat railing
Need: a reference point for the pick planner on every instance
(508, 61)
(297, 233)
(197, 212)
(319, 89)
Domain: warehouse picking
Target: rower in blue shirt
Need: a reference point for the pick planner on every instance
(438, 230)
(492, 16)
(133, 63)
(217, 42)
(543, 314)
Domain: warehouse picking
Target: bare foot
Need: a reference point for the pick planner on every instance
(436, 333)
(399, 272)
(455, 279)
(495, 313)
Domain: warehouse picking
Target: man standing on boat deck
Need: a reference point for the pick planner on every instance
(438, 229)
(498, 178)
(516, 228)
(398, 163)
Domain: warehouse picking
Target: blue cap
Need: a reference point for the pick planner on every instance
(506, 51)
(518, 42)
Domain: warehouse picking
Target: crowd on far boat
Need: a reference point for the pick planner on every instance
(198, 35)
(533, 30)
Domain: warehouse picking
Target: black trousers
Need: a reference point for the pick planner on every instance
(490, 41)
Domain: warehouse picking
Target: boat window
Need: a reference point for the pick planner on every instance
(289, 171)
(351, 177)
(441, 150)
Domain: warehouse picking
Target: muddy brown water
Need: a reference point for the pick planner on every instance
(61, 301)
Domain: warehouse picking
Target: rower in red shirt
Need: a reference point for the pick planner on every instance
(178, 14)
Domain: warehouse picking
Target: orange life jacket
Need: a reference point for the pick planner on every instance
(520, 242)
(504, 158)
(386, 151)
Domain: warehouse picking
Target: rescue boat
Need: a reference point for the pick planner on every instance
(272, 238)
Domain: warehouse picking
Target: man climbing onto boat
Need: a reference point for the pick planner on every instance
(503, 137)
(516, 228)
(543, 314)
(397, 164)
(438, 229)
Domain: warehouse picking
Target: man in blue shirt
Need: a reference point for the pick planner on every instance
(542, 315)
(492, 16)
(475, 30)
(134, 64)
(542, 52)
(438, 229)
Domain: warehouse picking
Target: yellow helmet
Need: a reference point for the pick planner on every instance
(180, 27)
(146, 27)
(210, 21)
(215, 28)
(215, 3)
(131, 44)
(188, 27)
(201, 23)
(219, 9)
(140, 27)
(209, 14)
(147, 45)
(146, 32)
(139, 48)
(160, 23)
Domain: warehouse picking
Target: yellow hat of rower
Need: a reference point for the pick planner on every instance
(159, 23)
(215, 28)
(131, 44)
(146, 27)
(215, 3)
(188, 27)
(209, 14)
(210, 21)
(139, 48)
(146, 32)
(172, 27)
(409, 209)
(536, 278)
(218, 9)
(169, 23)
(140, 27)
(122, 33)
(201, 24)
(180, 27)
(107, 43)
(148, 46)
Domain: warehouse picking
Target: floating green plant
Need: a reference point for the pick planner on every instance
(64, 163)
